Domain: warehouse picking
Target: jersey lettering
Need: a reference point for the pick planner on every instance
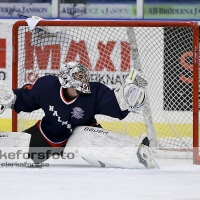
(59, 120)
(51, 108)
(65, 123)
(69, 126)
(55, 113)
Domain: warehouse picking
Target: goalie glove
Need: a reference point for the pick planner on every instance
(7, 97)
(132, 95)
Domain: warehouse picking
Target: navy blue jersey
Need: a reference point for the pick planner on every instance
(62, 116)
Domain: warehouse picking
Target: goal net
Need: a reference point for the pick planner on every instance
(165, 52)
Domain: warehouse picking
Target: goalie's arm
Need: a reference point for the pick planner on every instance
(26, 99)
(21, 99)
(132, 94)
(106, 102)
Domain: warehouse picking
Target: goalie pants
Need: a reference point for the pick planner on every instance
(39, 149)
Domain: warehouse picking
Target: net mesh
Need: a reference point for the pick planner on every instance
(165, 56)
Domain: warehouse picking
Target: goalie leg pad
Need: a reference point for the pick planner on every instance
(14, 146)
(14, 139)
(102, 148)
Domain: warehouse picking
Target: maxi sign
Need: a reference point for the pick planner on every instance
(48, 58)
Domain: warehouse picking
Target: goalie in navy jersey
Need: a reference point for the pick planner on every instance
(70, 101)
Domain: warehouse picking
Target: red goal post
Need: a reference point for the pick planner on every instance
(167, 53)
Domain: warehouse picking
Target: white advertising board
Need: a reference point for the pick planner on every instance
(27, 9)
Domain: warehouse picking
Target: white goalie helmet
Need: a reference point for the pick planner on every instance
(74, 75)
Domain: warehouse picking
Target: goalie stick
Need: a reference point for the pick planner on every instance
(146, 108)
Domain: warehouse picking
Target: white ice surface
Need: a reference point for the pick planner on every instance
(77, 180)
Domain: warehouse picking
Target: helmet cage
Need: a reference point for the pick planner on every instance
(74, 75)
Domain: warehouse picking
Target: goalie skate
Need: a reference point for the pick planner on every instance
(145, 155)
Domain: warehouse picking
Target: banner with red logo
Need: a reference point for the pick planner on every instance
(178, 69)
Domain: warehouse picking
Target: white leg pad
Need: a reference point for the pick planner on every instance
(102, 148)
(14, 146)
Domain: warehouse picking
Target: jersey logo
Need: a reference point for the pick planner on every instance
(77, 113)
